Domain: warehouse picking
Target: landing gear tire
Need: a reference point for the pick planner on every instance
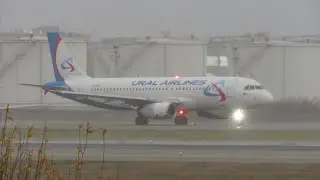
(181, 120)
(140, 120)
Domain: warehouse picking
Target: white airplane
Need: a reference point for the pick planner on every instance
(152, 97)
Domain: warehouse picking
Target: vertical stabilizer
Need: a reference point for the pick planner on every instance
(64, 64)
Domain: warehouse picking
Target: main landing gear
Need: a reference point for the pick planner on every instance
(140, 120)
(178, 120)
(181, 120)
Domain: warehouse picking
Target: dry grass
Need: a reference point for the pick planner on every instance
(22, 162)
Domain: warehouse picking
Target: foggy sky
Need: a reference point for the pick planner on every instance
(109, 18)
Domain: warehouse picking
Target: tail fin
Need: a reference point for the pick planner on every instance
(63, 63)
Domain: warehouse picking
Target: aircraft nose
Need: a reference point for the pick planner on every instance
(268, 96)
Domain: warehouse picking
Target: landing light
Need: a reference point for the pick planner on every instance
(238, 115)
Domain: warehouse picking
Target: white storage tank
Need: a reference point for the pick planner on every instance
(129, 57)
(27, 60)
(287, 66)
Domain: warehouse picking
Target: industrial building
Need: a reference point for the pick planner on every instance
(282, 64)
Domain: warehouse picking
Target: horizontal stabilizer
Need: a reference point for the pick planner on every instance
(46, 88)
(34, 85)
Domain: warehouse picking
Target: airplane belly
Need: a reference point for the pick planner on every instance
(210, 103)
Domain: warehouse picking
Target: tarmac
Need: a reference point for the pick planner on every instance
(294, 119)
(281, 119)
(205, 151)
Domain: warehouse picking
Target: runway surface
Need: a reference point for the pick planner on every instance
(292, 117)
(232, 151)
(127, 123)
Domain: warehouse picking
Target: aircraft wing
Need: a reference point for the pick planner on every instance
(103, 99)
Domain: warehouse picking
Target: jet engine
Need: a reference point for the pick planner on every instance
(158, 110)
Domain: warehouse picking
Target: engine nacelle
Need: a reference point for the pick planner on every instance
(158, 110)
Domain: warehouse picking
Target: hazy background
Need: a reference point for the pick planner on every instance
(149, 17)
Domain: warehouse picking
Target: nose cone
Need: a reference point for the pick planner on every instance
(267, 96)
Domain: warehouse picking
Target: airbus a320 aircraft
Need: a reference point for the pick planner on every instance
(151, 97)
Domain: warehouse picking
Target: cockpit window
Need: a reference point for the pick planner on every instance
(252, 87)
(249, 87)
(259, 87)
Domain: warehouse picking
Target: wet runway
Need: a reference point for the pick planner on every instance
(256, 121)
(169, 125)
(232, 151)
(294, 119)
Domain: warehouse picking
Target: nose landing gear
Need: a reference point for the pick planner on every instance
(238, 118)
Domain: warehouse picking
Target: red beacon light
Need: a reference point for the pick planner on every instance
(181, 112)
